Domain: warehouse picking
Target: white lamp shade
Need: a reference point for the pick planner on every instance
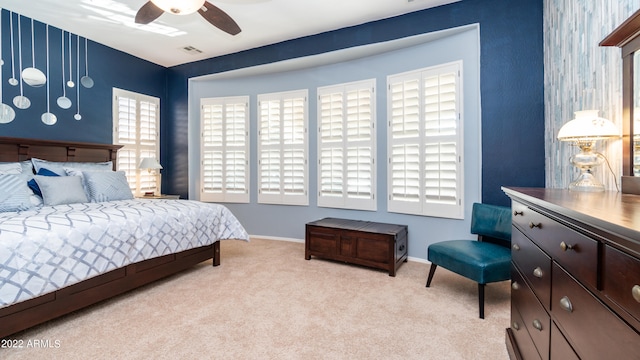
(179, 7)
(149, 163)
(587, 126)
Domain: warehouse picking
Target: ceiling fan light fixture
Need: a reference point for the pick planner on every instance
(179, 7)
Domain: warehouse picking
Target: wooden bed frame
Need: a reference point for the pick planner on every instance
(23, 315)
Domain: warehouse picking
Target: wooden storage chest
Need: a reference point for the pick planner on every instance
(373, 244)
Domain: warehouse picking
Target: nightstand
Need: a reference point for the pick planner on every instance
(161, 196)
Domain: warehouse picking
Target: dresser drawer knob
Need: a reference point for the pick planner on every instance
(532, 225)
(565, 303)
(515, 325)
(537, 324)
(564, 246)
(516, 286)
(515, 247)
(537, 272)
(635, 291)
(516, 213)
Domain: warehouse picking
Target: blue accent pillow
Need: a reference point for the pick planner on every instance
(14, 193)
(107, 185)
(59, 190)
(33, 185)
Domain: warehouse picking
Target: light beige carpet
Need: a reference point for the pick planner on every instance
(265, 301)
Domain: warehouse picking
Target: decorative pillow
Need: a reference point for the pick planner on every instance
(107, 186)
(58, 167)
(58, 190)
(33, 185)
(14, 193)
(10, 168)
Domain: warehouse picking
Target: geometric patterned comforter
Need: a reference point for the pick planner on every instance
(50, 247)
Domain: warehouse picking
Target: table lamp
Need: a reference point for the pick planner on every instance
(149, 163)
(584, 131)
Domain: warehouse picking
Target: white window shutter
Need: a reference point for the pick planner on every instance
(224, 172)
(283, 148)
(425, 142)
(136, 123)
(346, 146)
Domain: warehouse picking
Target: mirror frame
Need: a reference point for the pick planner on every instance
(627, 37)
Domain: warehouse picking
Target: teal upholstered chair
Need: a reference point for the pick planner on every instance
(483, 261)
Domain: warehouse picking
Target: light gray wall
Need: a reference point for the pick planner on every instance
(373, 61)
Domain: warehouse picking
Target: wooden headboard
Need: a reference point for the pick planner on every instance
(16, 149)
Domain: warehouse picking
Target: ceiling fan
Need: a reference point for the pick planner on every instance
(151, 10)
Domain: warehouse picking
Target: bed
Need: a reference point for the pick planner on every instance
(87, 252)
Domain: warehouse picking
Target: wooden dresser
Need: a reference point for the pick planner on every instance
(373, 244)
(575, 276)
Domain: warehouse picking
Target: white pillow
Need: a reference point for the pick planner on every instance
(10, 168)
(58, 167)
(58, 190)
(107, 185)
(14, 193)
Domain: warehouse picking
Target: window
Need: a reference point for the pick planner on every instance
(136, 120)
(282, 148)
(346, 146)
(224, 172)
(425, 142)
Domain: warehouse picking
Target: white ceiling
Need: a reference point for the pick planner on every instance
(263, 22)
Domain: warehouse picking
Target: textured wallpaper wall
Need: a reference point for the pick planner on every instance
(580, 75)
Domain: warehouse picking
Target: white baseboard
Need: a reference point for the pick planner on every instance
(301, 241)
(277, 238)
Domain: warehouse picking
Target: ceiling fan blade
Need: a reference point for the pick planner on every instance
(147, 13)
(219, 18)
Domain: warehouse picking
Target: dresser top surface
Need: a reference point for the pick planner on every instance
(610, 211)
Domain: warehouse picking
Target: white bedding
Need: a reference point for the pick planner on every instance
(50, 247)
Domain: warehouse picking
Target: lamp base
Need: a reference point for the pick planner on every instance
(586, 182)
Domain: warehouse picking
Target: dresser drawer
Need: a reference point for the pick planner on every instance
(594, 331)
(534, 264)
(532, 314)
(525, 344)
(621, 280)
(568, 247)
(560, 348)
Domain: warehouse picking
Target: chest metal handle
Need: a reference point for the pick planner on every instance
(532, 225)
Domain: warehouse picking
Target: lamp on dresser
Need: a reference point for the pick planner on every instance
(584, 131)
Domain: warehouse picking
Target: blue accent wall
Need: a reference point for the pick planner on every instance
(512, 86)
(107, 67)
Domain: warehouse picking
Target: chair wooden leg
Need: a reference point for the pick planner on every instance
(432, 270)
(481, 299)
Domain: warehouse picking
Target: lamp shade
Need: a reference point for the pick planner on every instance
(587, 126)
(149, 163)
(179, 7)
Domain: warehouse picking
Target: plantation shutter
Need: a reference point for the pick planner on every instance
(136, 126)
(346, 146)
(224, 174)
(282, 148)
(424, 140)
